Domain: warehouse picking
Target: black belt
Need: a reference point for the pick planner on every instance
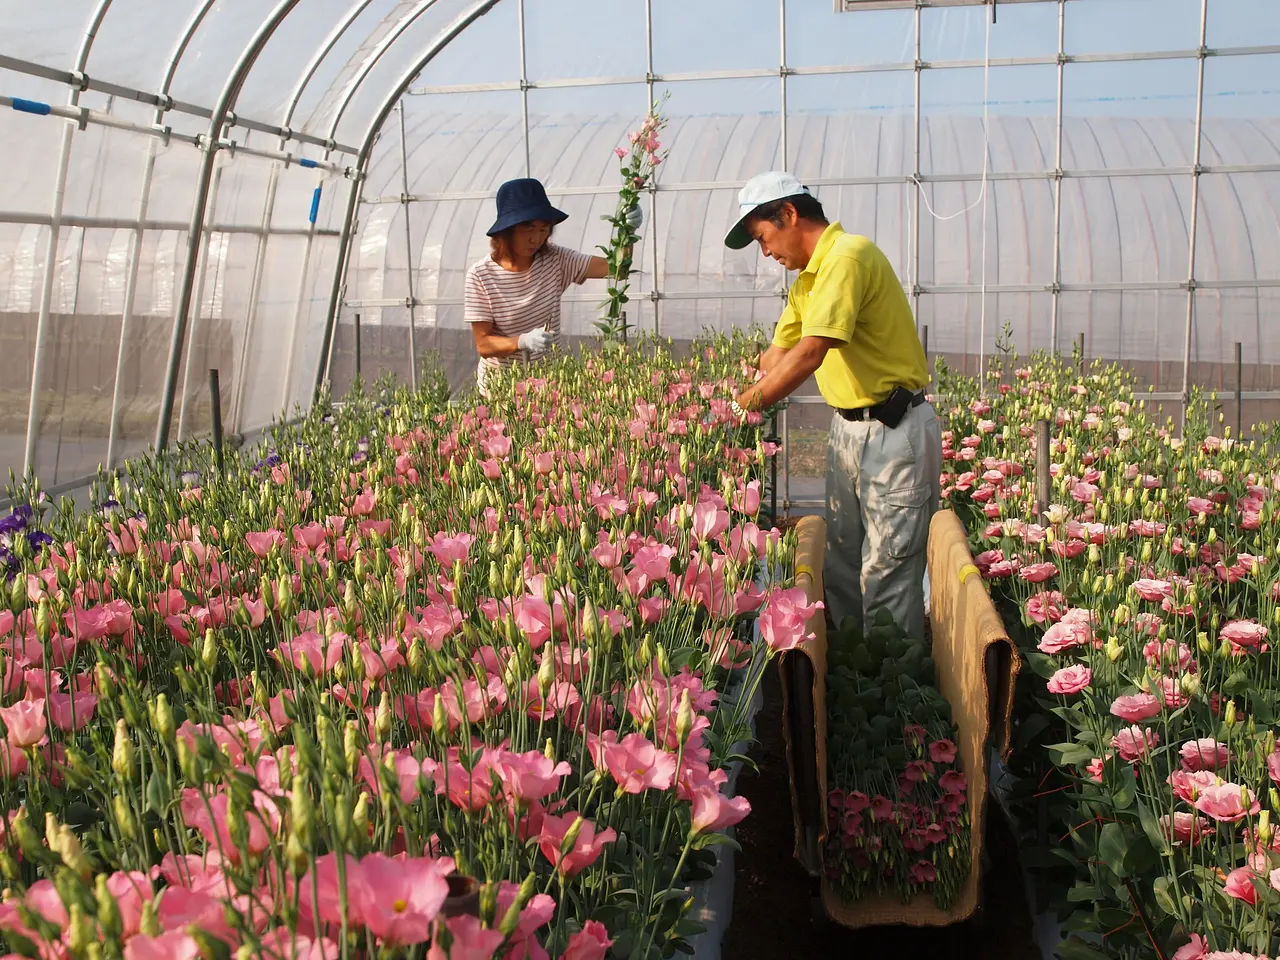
(877, 410)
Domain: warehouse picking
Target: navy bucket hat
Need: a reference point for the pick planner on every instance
(520, 201)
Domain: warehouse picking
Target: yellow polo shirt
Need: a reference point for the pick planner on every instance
(849, 292)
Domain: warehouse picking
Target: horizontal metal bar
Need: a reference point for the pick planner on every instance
(83, 116)
(1050, 60)
(164, 103)
(869, 181)
(125, 223)
(925, 289)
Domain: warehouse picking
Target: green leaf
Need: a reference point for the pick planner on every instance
(1237, 683)
(1151, 827)
(1127, 792)
(1163, 898)
(1084, 893)
(1112, 848)
(1069, 754)
(1043, 665)
(712, 839)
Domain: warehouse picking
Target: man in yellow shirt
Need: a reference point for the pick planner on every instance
(848, 323)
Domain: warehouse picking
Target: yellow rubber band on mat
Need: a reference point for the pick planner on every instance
(967, 571)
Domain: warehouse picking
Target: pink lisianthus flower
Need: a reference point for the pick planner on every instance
(590, 943)
(1206, 754)
(1134, 742)
(1136, 707)
(1038, 572)
(397, 898)
(587, 846)
(783, 620)
(1070, 680)
(1227, 802)
(1239, 885)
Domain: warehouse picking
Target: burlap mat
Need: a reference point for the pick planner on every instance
(977, 666)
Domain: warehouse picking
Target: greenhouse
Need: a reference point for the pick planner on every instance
(854, 530)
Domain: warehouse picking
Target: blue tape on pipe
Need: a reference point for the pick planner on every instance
(304, 162)
(32, 106)
(315, 205)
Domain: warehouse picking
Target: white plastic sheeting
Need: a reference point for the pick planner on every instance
(1117, 95)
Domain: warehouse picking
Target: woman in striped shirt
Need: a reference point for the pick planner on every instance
(512, 298)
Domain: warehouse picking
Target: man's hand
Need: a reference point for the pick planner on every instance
(536, 342)
(793, 368)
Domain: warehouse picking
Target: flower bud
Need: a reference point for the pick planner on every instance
(302, 814)
(296, 857)
(382, 717)
(439, 718)
(1203, 643)
(1264, 828)
(684, 716)
(546, 674)
(1113, 649)
(1189, 684)
(28, 840)
(108, 910)
(122, 754)
(209, 651)
(1229, 716)
(360, 816)
(124, 817)
(511, 919)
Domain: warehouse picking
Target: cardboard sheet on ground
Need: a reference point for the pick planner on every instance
(977, 666)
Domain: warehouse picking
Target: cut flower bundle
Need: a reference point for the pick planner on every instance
(897, 807)
(295, 709)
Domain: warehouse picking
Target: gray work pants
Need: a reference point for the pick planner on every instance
(882, 490)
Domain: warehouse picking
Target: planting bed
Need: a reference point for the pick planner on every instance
(425, 681)
(1142, 589)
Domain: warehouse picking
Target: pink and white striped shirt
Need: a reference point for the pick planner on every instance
(516, 303)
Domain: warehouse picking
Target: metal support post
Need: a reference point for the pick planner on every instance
(43, 321)
(345, 247)
(286, 386)
(241, 371)
(1239, 391)
(786, 458)
(915, 175)
(1057, 183)
(408, 245)
(773, 471)
(925, 344)
(1193, 219)
(1043, 475)
(653, 193)
(524, 91)
(782, 80)
(195, 233)
(357, 346)
(1080, 364)
(215, 403)
(197, 303)
(130, 295)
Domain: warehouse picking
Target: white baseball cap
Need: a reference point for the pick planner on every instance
(760, 189)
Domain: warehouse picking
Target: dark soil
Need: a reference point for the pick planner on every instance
(773, 913)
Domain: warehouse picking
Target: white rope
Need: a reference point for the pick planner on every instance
(982, 197)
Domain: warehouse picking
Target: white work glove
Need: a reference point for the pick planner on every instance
(635, 218)
(535, 342)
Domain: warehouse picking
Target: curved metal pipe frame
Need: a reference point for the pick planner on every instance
(447, 36)
(51, 250)
(195, 234)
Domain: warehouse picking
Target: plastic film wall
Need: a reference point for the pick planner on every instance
(1108, 168)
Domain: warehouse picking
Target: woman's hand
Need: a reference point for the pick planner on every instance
(535, 342)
